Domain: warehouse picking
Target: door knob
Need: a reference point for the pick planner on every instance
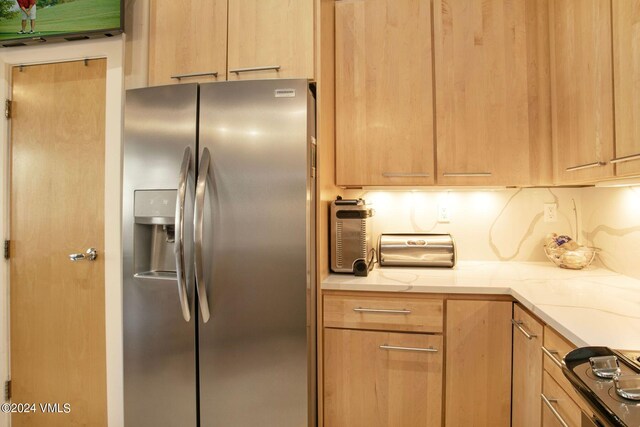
(90, 255)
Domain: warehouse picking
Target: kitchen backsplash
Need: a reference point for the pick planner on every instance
(611, 222)
(508, 224)
(497, 225)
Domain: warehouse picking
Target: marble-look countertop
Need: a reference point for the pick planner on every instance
(594, 306)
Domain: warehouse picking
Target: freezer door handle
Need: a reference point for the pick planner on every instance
(179, 235)
(198, 225)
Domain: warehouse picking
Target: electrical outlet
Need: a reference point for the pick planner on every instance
(444, 214)
(550, 212)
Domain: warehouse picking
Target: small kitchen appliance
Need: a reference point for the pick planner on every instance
(417, 250)
(351, 250)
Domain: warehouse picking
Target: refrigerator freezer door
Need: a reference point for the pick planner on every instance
(159, 344)
(257, 219)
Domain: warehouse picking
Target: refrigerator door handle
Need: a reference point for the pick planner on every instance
(198, 225)
(179, 235)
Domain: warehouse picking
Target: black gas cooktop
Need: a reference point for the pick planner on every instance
(605, 379)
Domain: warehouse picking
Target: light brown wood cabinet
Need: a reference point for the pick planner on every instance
(565, 409)
(582, 90)
(492, 98)
(187, 38)
(384, 99)
(237, 39)
(626, 73)
(478, 363)
(372, 379)
(272, 38)
(527, 369)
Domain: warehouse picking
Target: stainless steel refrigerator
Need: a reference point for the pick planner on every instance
(219, 262)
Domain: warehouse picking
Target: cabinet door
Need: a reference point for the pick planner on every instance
(527, 370)
(187, 38)
(367, 385)
(582, 89)
(492, 109)
(478, 364)
(384, 98)
(626, 75)
(270, 39)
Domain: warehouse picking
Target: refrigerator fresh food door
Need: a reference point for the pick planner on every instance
(159, 310)
(254, 219)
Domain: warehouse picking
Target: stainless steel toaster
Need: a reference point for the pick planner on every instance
(350, 239)
(417, 250)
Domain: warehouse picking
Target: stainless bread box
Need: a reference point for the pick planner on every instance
(417, 250)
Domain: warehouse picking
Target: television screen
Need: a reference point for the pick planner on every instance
(26, 21)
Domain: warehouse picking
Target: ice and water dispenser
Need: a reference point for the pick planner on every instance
(154, 234)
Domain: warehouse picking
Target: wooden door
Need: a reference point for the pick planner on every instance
(478, 364)
(527, 370)
(57, 208)
(384, 96)
(626, 74)
(582, 90)
(187, 38)
(265, 34)
(367, 386)
(492, 105)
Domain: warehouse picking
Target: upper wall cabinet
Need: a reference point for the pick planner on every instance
(270, 39)
(626, 75)
(384, 99)
(582, 89)
(187, 41)
(492, 92)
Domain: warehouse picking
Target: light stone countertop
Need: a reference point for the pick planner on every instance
(594, 306)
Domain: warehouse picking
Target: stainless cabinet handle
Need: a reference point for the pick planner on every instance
(549, 403)
(518, 324)
(587, 166)
(626, 158)
(198, 226)
(393, 347)
(467, 174)
(90, 255)
(552, 355)
(246, 70)
(187, 76)
(178, 247)
(381, 310)
(403, 174)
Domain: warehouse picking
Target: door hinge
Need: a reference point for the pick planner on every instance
(7, 108)
(7, 390)
(7, 249)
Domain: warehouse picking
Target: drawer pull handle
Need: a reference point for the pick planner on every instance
(393, 347)
(403, 174)
(186, 76)
(552, 355)
(587, 166)
(626, 158)
(518, 324)
(246, 70)
(549, 403)
(467, 174)
(381, 310)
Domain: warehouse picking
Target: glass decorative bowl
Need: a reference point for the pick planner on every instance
(574, 260)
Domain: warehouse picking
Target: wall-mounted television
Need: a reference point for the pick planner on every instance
(24, 22)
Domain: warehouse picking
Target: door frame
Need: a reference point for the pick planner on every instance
(113, 50)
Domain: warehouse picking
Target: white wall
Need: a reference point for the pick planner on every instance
(113, 50)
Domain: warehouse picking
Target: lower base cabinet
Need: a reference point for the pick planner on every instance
(382, 379)
(478, 375)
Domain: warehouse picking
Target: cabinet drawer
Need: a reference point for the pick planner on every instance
(554, 349)
(563, 405)
(383, 313)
